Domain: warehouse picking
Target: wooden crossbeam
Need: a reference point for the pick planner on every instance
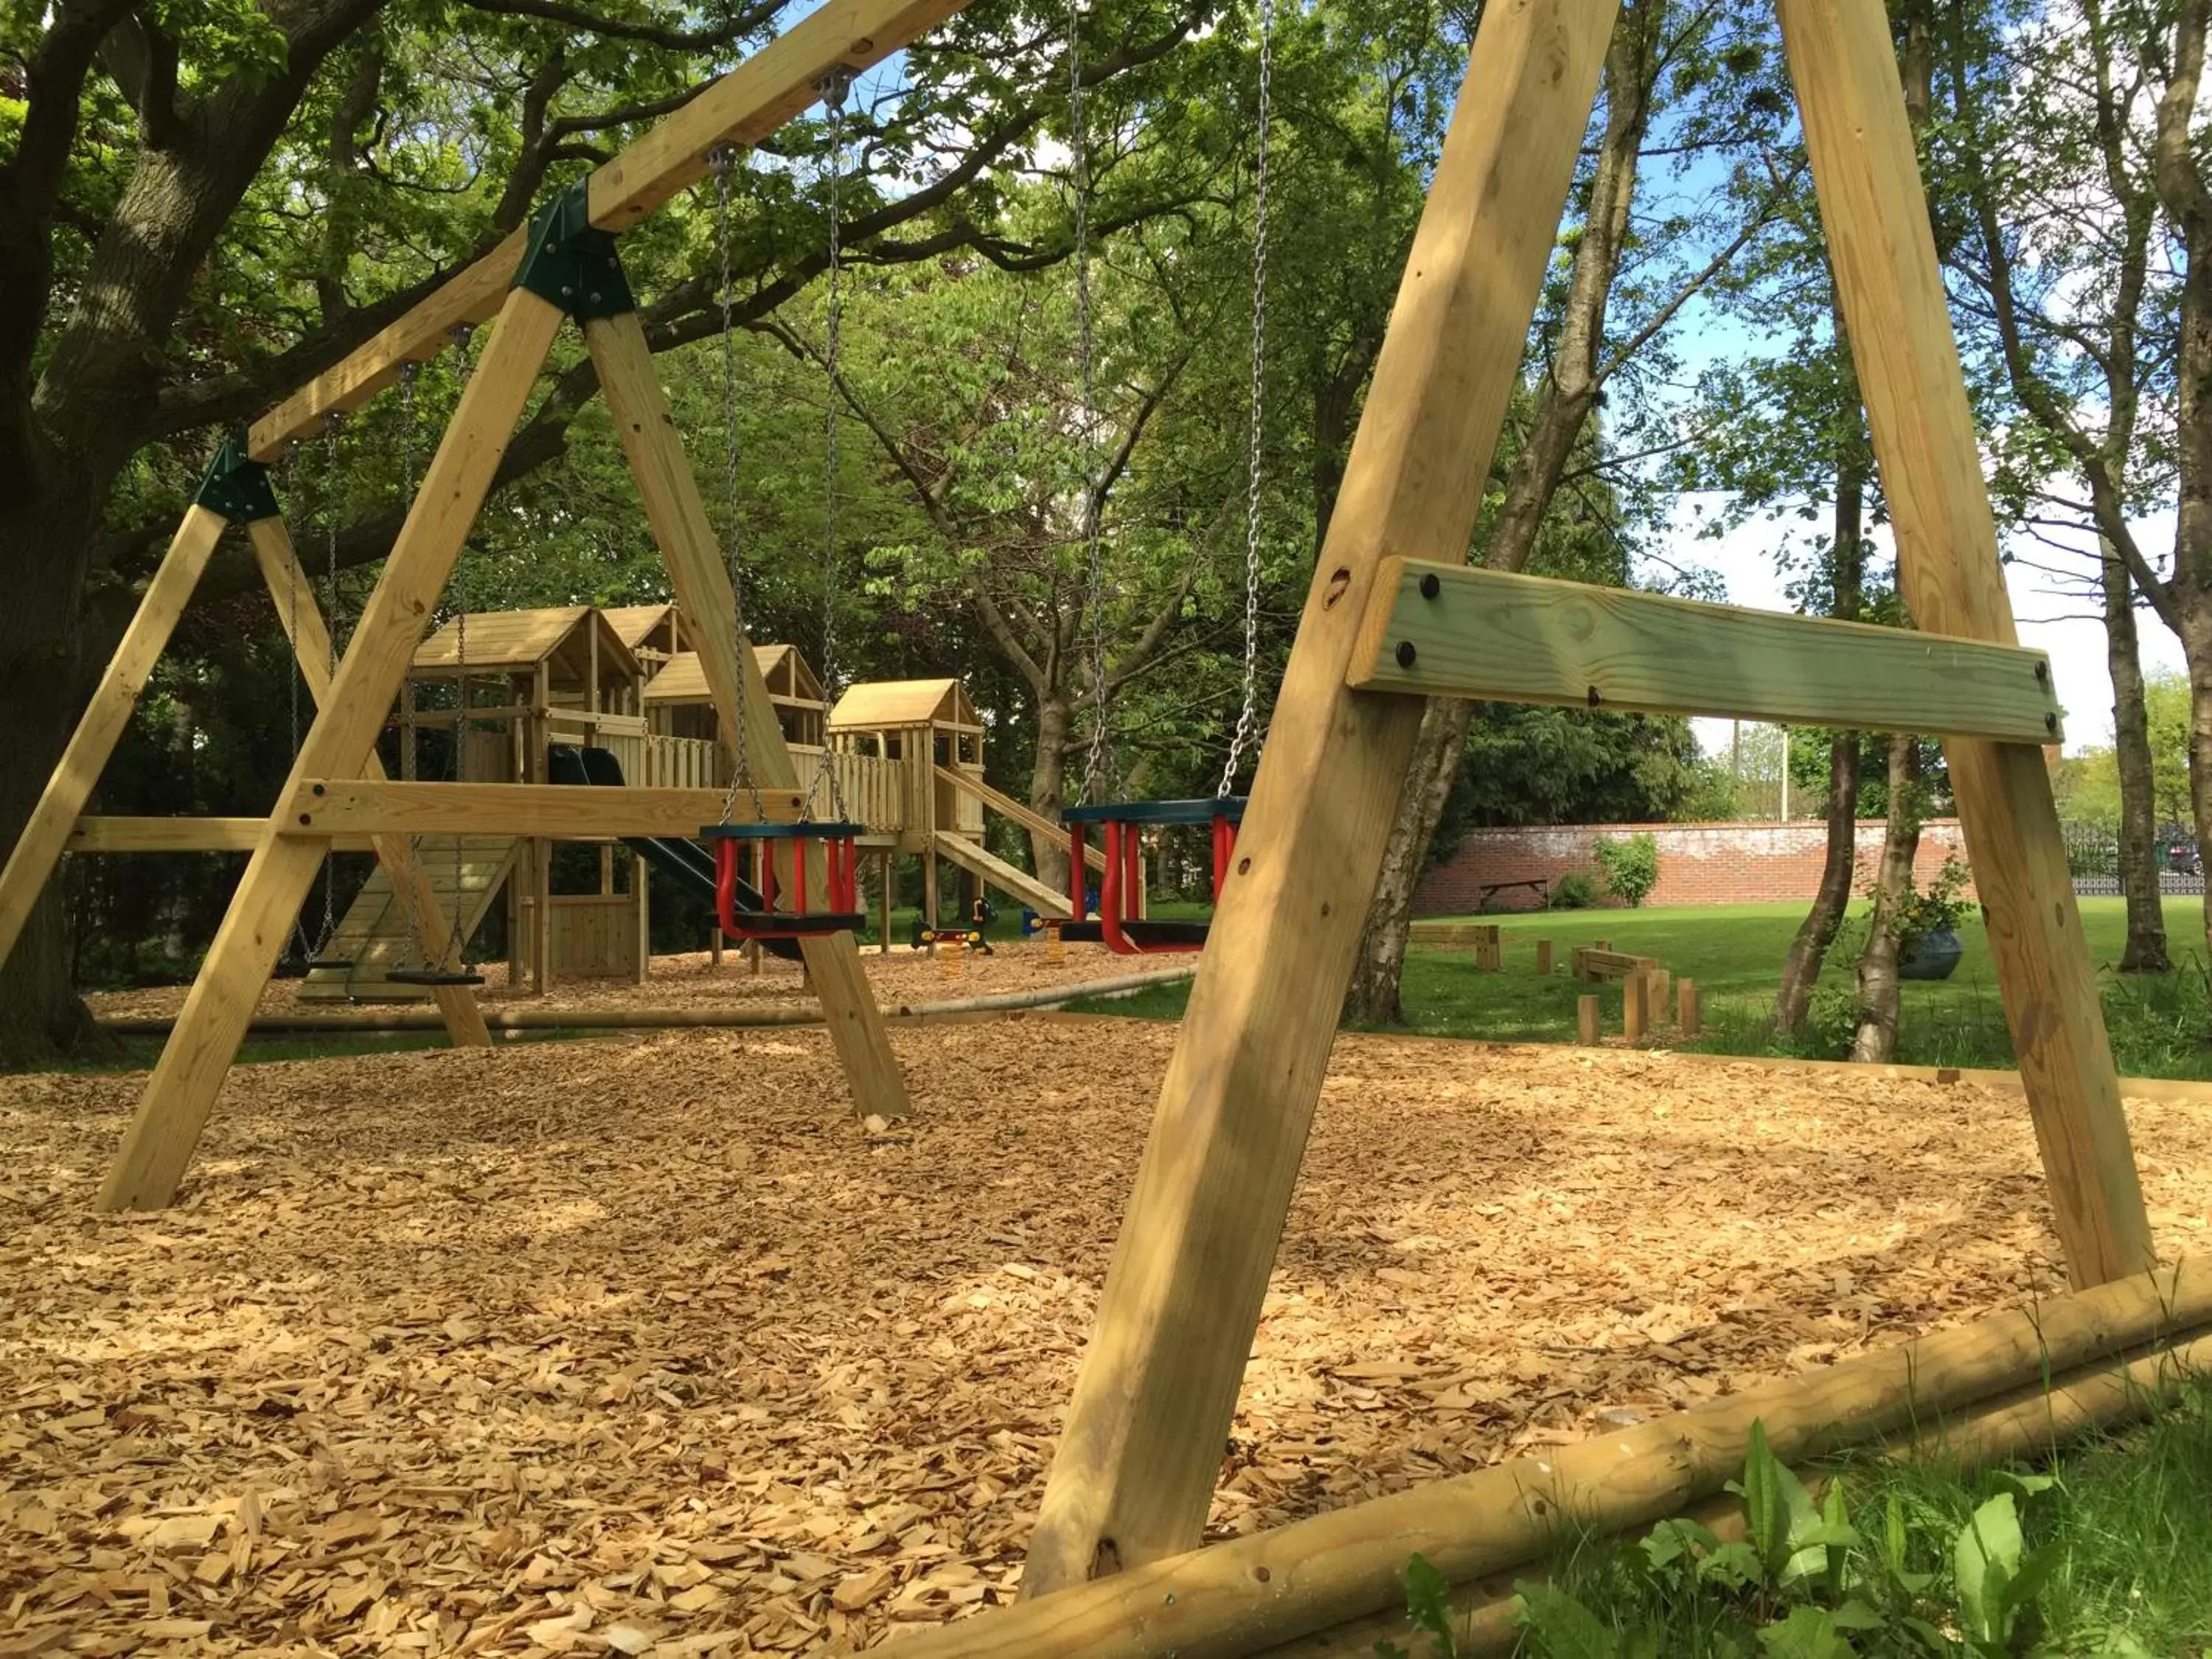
(320, 808)
(1449, 631)
(96, 834)
(39, 849)
(752, 101)
(1867, 171)
(1137, 1463)
(670, 491)
(158, 1144)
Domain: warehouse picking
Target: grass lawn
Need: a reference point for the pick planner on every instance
(2161, 1027)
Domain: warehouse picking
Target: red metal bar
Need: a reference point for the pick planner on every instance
(1224, 849)
(1110, 893)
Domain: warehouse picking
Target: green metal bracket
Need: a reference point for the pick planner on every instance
(236, 485)
(570, 263)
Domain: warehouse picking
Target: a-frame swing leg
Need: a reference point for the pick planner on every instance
(1891, 287)
(39, 849)
(302, 621)
(671, 493)
(1137, 1463)
(180, 1095)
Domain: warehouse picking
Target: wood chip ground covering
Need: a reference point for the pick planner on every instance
(905, 975)
(644, 1346)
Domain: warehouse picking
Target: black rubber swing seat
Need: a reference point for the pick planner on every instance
(432, 976)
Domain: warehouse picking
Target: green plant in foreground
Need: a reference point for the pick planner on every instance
(1932, 1565)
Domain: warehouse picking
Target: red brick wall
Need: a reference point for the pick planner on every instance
(1699, 863)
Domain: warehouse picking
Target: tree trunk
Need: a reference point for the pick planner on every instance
(1569, 394)
(42, 536)
(1808, 950)
(1048, 787)
(1876, 1039)
(2196, 649)
(2138, 848)
(1373, 998)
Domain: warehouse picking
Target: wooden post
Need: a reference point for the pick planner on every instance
(1601, 945)
(1137, 1463)
(302, 621)
(1662, 980)
(1544, 958)
(541, 928)
(928, 888)
(1686, 1008)
(639, 409)
(715, 946)
(1891, 290)
(1635, 1006)
(39, 849)
(181, 1093)
(639, 879)
(884, 904)
(1586, 1020)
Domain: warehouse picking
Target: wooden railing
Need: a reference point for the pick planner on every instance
(682, 763)
(871, 790)
(874, 791)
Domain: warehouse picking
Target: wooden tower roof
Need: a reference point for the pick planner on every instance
(882, 704)
(507, 640)
(789, 679)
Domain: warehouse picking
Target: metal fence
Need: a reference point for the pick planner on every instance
(2092, 855)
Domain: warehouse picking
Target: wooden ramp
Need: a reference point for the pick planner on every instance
(373, 935)
(997, 872)
(1026, 815)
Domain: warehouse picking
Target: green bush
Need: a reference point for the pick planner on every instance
(1630, 866)
(1573, 891)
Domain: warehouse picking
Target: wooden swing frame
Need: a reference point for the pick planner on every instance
(1136, 1467)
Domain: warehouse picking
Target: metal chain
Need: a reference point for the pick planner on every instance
(409, 372)
(1248, 714)
(833, 86)
(331, 424)
(722, 160)
(306, 946)
(1087, 410)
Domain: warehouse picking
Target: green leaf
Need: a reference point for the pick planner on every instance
(2034, 1573)
(1563, 1627)
(1767, 1507)
(2025, 1487)
(1736, 1565)
(1856, 1614)
(1673, 1541)
(1983, 1557)
(1808, 1633)
(1936, 1641)
(1428, 1601)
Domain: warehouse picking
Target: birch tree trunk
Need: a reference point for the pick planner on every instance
(1808, 949)
(1876, 1038)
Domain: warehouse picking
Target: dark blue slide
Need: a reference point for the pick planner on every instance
(686, 863)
